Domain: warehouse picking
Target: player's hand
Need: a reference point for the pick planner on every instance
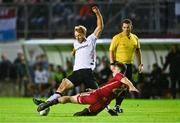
(141, 67)
(95, 9)
(133, 90)
(73, 52)
(112, 67)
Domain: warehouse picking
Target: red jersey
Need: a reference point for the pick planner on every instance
(101, 97)
(109, 90)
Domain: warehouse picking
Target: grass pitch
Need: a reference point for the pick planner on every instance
(156, 111)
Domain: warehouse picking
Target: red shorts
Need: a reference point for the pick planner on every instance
(96, 101)
(88, 97)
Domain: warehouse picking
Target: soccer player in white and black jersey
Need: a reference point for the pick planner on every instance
(85, 58)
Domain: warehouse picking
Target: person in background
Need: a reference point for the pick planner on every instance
(5, 67)
(173, 60)
(123, 47)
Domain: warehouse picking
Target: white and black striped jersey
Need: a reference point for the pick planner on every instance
(85, 56)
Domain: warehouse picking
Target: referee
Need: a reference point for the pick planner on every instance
(123, 47)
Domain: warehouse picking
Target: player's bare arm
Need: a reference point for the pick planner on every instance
(100, 24)
(111, 56)
(131, 87)
(111, 59)
(73, 52)
(139, 59)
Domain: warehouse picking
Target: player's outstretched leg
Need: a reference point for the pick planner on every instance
(37, 101)
(47, 104)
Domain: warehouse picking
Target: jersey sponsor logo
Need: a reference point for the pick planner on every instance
(82, 47)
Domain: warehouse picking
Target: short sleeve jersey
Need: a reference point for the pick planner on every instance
(85, 56)
(114, 83)
(124, 47)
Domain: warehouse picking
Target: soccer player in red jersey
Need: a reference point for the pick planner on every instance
(97, 99)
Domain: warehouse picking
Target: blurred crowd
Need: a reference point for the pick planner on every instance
(56, 18)
(40, 78)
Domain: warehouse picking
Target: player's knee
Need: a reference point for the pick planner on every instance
(64, 80)
(67, 84)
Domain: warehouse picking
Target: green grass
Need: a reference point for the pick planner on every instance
(23, 110)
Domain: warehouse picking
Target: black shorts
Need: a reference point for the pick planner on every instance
(128, 72)
(85, 76)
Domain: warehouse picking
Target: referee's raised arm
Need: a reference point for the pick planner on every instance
(100, 23)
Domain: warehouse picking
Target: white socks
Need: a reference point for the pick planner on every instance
(53, 97)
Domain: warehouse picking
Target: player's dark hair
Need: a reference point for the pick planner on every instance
(126, 21)
(94, 4)
(121, 66)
